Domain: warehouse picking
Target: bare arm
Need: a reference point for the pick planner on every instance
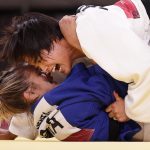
(68, 28)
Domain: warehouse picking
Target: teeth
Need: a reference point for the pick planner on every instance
(60, 69)
(54, 69)
(43, 75)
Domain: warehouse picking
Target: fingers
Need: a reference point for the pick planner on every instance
(109, 108)
(123, 119)
(116, 96)
(66, 20)
(111, 115)
(117, 109)
(112, 112)
(118, 117)
(68, 29)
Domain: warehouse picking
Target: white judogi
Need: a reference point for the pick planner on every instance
(51, 113)
(22, 125)
(118, 44)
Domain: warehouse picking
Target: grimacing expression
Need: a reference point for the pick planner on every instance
(59, 58)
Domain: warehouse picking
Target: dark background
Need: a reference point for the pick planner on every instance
(54, 8)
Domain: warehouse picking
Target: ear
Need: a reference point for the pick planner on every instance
(30, 94)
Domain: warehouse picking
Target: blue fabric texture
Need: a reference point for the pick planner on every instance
(83, 97)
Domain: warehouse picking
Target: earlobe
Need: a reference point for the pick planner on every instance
(26, 95)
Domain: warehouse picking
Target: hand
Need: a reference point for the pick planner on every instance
(68, 28)
(117, 109)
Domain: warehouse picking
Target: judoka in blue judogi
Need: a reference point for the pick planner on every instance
(75, 110)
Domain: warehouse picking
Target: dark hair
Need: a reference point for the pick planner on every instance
(13, 82)
(4, 65)
(28, 35)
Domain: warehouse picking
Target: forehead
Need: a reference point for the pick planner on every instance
(34, 78)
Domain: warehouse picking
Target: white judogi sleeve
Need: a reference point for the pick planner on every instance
(109, 38)
(50, 122)
(22, 125)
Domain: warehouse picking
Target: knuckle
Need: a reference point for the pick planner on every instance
(115, 111)
(118, 115)
(66, 16)
(110, 115)
(113, 105)
(64, 19)
(121, 119)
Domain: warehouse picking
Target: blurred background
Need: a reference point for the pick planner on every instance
(54, 8)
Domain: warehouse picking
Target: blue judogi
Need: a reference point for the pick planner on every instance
(76, 107)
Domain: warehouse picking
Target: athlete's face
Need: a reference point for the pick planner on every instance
(39, 85)
(60, 58)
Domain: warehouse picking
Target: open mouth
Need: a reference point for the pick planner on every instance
(57, 67)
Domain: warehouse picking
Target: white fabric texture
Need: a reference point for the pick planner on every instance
(22, 125)
(119, 45)
(40, 121)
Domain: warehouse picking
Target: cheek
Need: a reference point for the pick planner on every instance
(43, 87)
(60, 55)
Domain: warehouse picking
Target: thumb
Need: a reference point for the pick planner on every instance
(109, 108)
(117, 97)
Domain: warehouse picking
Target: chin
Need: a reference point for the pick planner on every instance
(66, 72)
